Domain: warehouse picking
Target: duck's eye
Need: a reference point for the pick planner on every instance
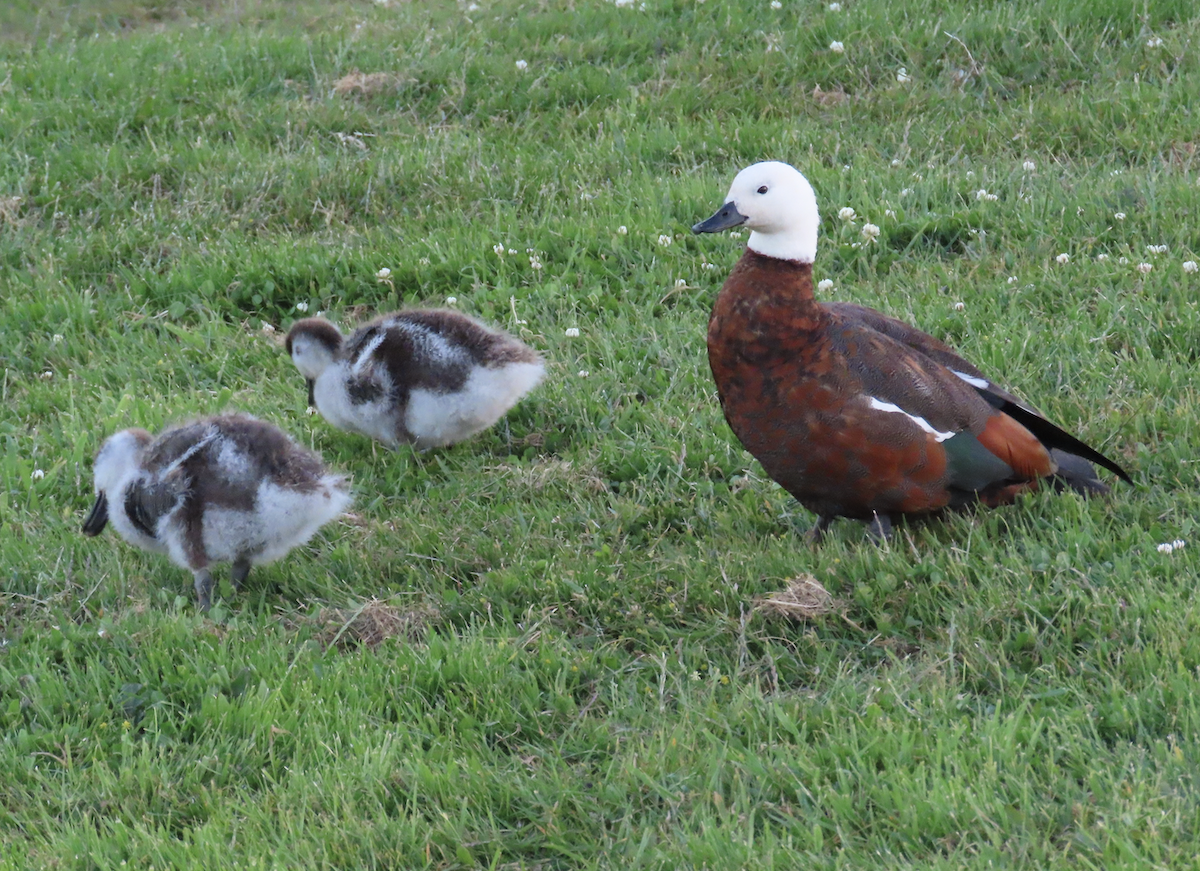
(763, 189)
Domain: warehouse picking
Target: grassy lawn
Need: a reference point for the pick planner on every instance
(544, 648)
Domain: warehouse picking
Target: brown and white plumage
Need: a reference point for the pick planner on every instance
(421, 377)
(220, 489)
(854, 413)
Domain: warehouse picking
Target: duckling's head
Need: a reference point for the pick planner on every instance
(778, 205)
(313, 344)
(119, 454)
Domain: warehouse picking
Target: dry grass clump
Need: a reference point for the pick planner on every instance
(829, 98)
(10, 208)
(803, 599)
(364, 84)
(372, 623)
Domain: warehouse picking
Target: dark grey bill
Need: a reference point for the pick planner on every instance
(728, 216)
(312, 401)
(98, 518)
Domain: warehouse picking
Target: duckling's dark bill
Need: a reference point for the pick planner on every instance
(98, 518)
(312, 400)
(728, 216)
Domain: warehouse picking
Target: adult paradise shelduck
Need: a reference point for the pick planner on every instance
(854, 413)
(421, 377)
(219, 489)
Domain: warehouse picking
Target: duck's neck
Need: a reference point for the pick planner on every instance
(785, 281)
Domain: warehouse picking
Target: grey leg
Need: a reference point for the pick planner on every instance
(817, 534)
(879, 530)
(237, 574)
(204, 587)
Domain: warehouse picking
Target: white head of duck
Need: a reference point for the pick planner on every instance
(778, 206)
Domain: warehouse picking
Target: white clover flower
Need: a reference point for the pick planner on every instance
(870, 232)
(1012, 279)
(1029, 166)
(1120, 216)
(534, 262)
(382, 275)
(1179, 544)
(895, 161)
(825, 284)
(1063, 258)
(889, 213)
(970, 173)
(56, 338)
(1101, 258)
(1190, 266)
(584, 373)
(709, 266)
(310, 411)
(902, 76)
(47, 375)
(1154, 42)
(836, 47)
(1166, 547)
(906, 192)
(846, 213)
(424, 261)
(621, 4)
(572, 332)
(267, 328)
(622, 230)
(735, 234)
(38, 474)
(775, 4)
(1145, 268)
(835, 7)
(981, 194)
(301, 306)
(1157, 249)
(512, 250)
(499, 249)
(452, 300)
(959, 306)
(681, 282)
(1123, 260)
(845, 167)
(664, 239)
(522, 65)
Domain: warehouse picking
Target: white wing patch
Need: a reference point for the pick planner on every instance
(981, 383)
(368, 351)
(880, 405)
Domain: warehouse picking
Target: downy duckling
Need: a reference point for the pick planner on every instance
(426, 377)
(220, 489)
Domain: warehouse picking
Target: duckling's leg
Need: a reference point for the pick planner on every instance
(204, 587)
(237, 574)
(817, 534)
(879, 530)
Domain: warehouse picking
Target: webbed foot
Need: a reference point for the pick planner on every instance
(879, 530)
(204, 588)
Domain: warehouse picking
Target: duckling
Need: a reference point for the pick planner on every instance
(220, 489)
(426, 377)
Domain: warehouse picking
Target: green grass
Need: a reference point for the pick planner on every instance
(596, 689)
